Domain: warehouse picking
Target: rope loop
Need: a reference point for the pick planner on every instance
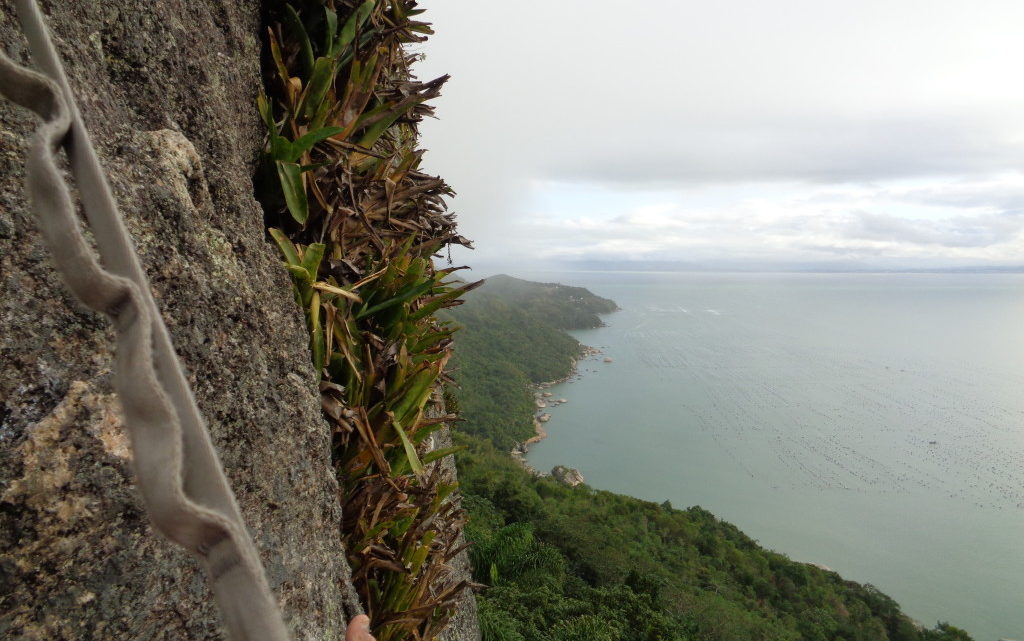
(183, 486)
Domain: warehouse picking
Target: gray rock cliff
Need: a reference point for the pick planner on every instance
(167, 91)
(464, 625)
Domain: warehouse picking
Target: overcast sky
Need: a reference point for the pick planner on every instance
(733, 132)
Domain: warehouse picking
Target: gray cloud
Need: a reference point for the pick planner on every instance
(887, 132)
(961, 231)
(822, 152)
(971, 195)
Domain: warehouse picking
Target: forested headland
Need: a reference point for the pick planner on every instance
(573, 563)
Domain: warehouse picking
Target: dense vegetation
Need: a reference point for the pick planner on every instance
(358, 225)
(512, 335)
(575, 564)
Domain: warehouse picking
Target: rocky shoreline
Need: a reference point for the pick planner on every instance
(543, 400)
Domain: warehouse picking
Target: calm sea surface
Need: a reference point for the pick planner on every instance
(870, 423)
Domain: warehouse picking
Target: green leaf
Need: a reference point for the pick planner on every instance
(424, 431)
(311, 258)
(280, 148)
(439, 301)
(300, 273)
(299, 32)
(410, 449)
(267, 112)
(287, 247)
(371, 116)
(319, 83)
(306, 142)
(294, 190)
(356, 21)
(377, 130)
(316, 333)
(275, 53)
(415, 395)
(429, 340)
(419, 556)
(330, 30)
(408, 294)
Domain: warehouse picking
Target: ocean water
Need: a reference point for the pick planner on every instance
(870, 423)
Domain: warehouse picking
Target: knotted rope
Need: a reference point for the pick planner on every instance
(183, 485)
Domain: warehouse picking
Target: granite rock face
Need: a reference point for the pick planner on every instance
(167, 91)
(464, 624)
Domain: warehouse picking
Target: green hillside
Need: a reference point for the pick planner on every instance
(568, 564)
(512, 335)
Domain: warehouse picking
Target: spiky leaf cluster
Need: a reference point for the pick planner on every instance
(358, 225)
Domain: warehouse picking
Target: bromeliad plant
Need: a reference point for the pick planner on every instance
(350, 107)
(357, 225)
(382, 354)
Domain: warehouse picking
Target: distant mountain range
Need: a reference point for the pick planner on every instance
(757, 267)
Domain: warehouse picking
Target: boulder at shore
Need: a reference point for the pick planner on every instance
(567, 475)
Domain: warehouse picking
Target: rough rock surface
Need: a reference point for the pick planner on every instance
(464, 625)
(167, 90)
(567, 475)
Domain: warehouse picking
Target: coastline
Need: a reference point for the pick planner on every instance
(541, 401)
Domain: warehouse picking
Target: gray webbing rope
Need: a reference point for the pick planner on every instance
(183, 485)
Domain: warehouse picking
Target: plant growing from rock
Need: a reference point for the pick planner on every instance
(358, 224)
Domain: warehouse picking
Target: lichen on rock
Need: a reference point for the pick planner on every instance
(167, 91)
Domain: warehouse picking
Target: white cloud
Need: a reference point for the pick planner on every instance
(796, 128)
(892, 220)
